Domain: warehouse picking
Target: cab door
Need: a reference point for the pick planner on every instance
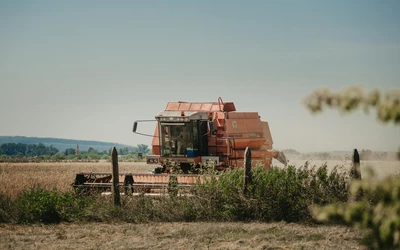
(203, 138)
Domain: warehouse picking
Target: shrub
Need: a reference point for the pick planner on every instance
(274, 195)
(6, 208)
(46, 206)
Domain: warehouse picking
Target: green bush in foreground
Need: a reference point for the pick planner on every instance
(375, 206)
(41, 205)
(273, 195)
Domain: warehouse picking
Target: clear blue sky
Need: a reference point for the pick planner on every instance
(88, 69)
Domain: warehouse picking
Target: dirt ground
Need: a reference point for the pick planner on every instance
(179, 236)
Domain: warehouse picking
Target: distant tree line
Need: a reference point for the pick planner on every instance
(21, 149)
(61, 144)
(369, 155)
(365, 155)
(41, 151)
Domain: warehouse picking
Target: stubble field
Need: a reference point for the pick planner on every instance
(280, 235)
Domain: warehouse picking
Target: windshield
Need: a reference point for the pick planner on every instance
(178, 139)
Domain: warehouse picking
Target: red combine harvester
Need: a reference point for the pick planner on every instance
(195, 132)
(188, 135)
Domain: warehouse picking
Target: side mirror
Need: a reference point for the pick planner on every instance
(135, 125)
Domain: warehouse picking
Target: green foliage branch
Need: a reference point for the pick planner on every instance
(375, 206)
(354, 97)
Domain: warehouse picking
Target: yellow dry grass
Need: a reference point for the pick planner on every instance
(60, 175)
(179, 236)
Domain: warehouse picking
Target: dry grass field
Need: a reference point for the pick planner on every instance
(179, 236)
(18, 176)
(60, 175)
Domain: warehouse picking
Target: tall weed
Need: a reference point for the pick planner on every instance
(274, 195)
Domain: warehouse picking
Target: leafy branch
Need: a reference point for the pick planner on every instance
(354, 97)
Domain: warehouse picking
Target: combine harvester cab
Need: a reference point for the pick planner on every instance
(193, 133)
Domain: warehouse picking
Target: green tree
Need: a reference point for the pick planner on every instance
(13, 149)
(123, 151)
(21, 149)
(92, 151)
(51, 150)
(41, 149)
(31, 150)
(142, 148)
(70, 151)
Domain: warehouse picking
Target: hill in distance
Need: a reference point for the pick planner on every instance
(62, 144)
